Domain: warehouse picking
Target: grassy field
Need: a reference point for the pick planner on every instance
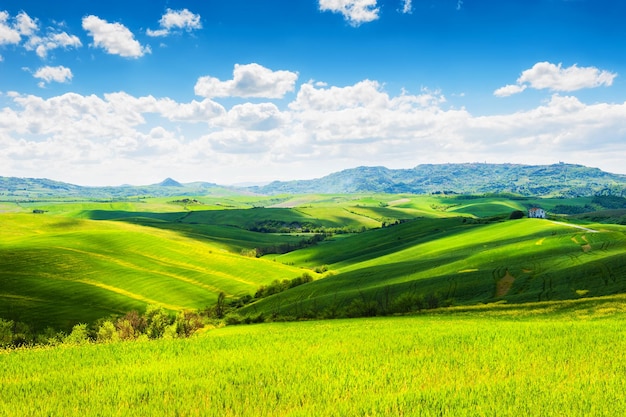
(83, 260)
(458, 262)
(58, 271)
(539, 360)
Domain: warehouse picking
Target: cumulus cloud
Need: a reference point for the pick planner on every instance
(24, 26)
(254, 117)
(355, 12)
(58, 74)
(114, 38)
(251, 80)
(53, 41)
(324, 127)
(545, 75)
(174, 20)
(9, 33)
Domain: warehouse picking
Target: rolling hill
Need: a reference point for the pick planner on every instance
(67, 262)
(58, 271)
(437, 262)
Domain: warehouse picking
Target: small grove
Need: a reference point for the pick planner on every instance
(155, 323)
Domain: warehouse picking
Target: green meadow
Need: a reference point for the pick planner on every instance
(541, 360)
(483, 315)
(58, 271)
(456, 262)
(79, 261)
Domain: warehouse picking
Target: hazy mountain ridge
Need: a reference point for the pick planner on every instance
(468, 178)
(28, 188)
(567, 180)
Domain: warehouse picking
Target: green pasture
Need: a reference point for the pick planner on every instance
(459, 262)
(83, 260)
(461, 364)
(57, 271)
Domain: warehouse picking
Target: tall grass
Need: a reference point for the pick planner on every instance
(440, 365)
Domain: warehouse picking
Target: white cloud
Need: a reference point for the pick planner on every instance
(25, 24)
(355, 12)
(58, 74)
(509, 90)
(407, 7)
(176, 19)
(114, 38)
(254, 117)
(9, 34)
(545, 75)
(117, 138)
(27, 27)
(251, 80)
(53, 41)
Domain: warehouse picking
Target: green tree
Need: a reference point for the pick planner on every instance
(6, 332)
(107, 332)
(157, 320)
(78, 336)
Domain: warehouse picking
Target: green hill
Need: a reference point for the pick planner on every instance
(81, 261)
(435, 262)
(57, 271)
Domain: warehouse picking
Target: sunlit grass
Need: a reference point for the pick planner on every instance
(442, 365)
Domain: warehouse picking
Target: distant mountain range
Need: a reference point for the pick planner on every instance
(12, 188)
(566, 180)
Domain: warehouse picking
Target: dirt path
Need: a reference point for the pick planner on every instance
(586, 229)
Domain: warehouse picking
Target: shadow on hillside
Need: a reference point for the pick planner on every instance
(551, 275)
(230, 229)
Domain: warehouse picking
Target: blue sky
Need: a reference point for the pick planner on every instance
(105, 93)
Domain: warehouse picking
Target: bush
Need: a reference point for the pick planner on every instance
(361, 308)
(157, 320)
(131, 325)
(6, 332)
(407, 302)
(78, 336)
(187, 323)
(107, 332)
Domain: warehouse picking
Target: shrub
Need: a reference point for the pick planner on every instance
(361, 308)
(6, 332)
(78, 336)
(107, 332)
(187, 323)
(131, 325)
(406, 303)
(157, 320)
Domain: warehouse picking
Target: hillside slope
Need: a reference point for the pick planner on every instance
(455, 262)
(58, 271)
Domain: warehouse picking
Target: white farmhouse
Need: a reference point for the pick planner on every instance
(536, 213)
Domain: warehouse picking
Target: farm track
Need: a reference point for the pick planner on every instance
(576, 226)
